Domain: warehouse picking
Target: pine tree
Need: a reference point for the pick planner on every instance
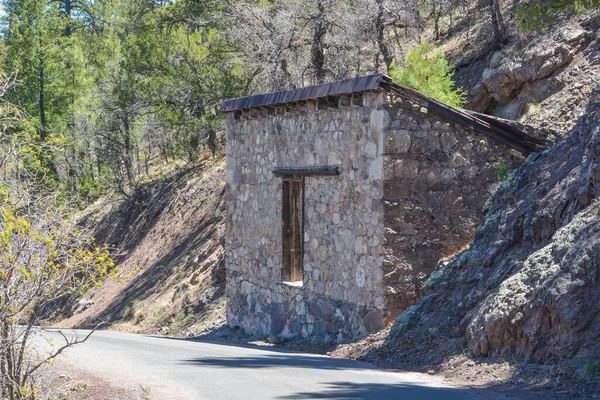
(428, 71)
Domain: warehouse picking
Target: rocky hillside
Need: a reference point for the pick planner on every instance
(169, 235)
(528, 285)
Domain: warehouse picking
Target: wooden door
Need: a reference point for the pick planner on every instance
(292, 230)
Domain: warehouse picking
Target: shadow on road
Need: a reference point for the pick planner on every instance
(223, 336)
(279, 360)
(380, 391)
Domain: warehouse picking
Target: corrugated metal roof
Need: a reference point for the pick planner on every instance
(502, 131)
(346, 86)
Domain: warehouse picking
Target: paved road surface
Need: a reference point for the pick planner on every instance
(170, 368)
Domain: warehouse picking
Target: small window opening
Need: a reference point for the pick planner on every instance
(292, 223)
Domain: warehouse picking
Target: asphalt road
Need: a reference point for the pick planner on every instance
(168, 368)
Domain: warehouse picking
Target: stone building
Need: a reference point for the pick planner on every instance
(343, 197)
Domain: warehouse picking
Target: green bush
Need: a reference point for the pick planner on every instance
(139, 316)
(428, 71)
(538, 14)
(503, 171)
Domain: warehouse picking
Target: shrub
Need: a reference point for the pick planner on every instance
(43, 261)
(139, 316)
(503, 170)
(428, 71)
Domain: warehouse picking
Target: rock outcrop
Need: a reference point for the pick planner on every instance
(557, 62)
(529, 284)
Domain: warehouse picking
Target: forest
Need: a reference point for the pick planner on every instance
(108, 89)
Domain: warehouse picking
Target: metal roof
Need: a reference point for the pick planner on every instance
(346, 86)
(509, 133)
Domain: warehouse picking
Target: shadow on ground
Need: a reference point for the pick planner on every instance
(380, 391)
(280, 361)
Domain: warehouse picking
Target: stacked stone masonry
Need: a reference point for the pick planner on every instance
(410, 192)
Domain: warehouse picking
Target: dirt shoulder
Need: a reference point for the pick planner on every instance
(570, 379)
(61, 381)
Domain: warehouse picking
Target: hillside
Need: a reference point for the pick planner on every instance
(523, 291)
(169, 235)
(112, 154)
(539, 78)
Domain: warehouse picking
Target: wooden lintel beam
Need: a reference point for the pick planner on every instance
(307, 171)
(345, 100)
(322, 103)
(254, 112)
(311, 105)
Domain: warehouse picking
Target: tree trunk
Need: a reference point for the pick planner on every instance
(383, 47)
(211, 141)
(317, 56)
(498, 22)
(128, 151)
(288, 76)
(68, 13)
(41, 105)
(47, 156)
(435, 13)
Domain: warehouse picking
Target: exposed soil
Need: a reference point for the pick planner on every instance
(526, 289)
(451, 359)
(169, 234)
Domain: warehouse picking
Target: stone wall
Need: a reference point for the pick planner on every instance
(437, 177)
(342, 292)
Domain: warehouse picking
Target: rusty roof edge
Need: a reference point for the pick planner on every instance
(543, 137)
(344, 86)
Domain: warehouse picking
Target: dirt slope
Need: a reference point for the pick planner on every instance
(170, 232)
